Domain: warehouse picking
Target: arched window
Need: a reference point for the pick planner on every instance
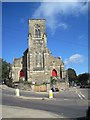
(38, 59)
(37, 31)
(54, 73)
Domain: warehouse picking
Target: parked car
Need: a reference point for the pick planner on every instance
(78, 84)
(55, 89)
(82, 86)
(85, 86)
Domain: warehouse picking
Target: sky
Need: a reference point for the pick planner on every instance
(66, 28)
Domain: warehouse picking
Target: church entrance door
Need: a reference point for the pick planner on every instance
(21, 74)
(54, 73)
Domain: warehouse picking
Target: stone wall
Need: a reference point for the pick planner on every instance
(16, 67)
(62, 85)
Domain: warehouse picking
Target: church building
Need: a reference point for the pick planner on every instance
(37, 63)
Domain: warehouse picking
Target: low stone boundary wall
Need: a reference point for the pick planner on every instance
(62, 86)
(41, 88)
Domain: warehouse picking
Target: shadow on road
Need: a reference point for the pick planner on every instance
(80, 118)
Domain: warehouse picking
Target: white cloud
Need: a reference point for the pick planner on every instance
(75, 59)
(51, 11)
(63, 25)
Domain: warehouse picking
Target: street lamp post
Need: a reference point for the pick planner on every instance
(67, 80)
(67, 75)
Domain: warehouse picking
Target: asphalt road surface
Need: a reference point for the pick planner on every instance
(72, 103)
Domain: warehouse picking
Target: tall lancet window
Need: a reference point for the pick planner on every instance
(37, 31)
(38, 60)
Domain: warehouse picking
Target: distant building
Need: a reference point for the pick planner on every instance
(37, 63)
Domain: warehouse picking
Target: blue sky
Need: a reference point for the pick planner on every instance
(66, 27)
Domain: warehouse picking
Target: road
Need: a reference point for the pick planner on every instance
(69, 104)
(84, 93)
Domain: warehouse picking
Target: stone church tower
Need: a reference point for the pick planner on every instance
(37, 61)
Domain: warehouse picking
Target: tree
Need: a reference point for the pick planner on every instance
(53, 80)
(72, 76)
(4, 70)
(84, 78)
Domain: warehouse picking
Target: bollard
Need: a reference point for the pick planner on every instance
(50, 94)
(17, 92)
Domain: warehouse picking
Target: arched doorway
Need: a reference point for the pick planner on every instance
(54, 73)
(21, 74)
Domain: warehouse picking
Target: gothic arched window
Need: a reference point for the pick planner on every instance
(37, 31)
(39, 60)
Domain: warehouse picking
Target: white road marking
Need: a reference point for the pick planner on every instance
(80, 96)
(66, 99)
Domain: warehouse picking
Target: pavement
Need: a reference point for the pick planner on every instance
(19, 112)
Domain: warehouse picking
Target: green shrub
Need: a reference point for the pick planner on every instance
(29, 82)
